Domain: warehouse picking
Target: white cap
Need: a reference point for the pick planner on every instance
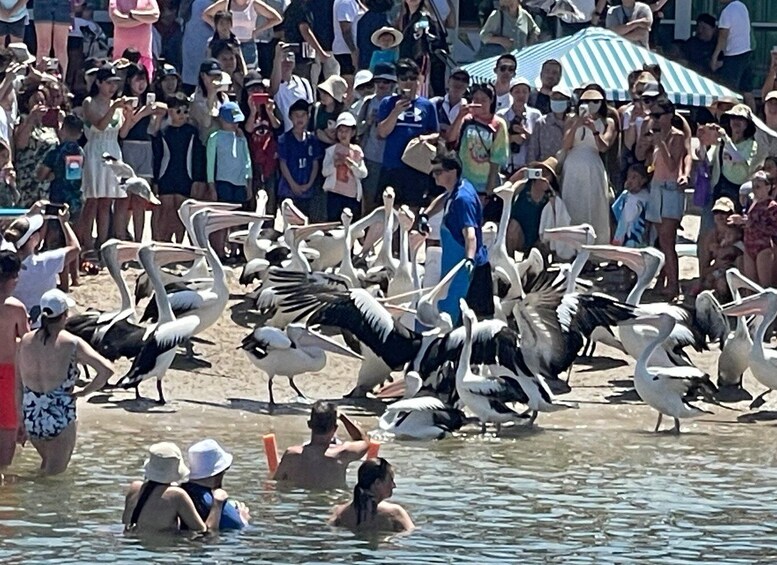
(561, 89)
(518, 81)
(361, 78)
(54, 303)
(36, 223)
(346, 119)
(207, 459)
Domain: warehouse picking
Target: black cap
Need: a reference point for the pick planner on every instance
(460, 72)
(252, 78)
(211, 67)
(168, 70)
(107, 72)
(299, 105)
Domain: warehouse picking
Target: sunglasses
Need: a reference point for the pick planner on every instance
(408, 78)
(506, 68)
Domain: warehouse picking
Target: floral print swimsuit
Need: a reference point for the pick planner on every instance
(47, 414)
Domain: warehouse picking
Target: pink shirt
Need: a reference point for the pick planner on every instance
(138, 36)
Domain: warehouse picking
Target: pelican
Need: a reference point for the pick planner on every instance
(402, 280)
(289, 354)
(734, 357)
(763, 362)
(128, 181)
(502, 265)
(418, 417)
(693, 324)
(669, 390)
(486, 397)
(113, 334)
(158, 351)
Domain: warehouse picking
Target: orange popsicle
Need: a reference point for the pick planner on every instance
(372, 450)
(271, 451)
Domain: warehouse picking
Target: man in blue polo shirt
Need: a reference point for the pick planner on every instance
(402, 117)
(461, 237)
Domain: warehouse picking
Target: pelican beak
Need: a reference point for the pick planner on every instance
(396, 310)
(292, 214)
(358, 228)
(755, 304)
(225, 220)
(446, 281)
(738, 281)
(505, 191)
(632, 258)
(303, 232)
(127, 251)
(417, 239)
(575, 236)
(165, 254)
(392, 390)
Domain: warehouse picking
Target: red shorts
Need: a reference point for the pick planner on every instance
(9, 418)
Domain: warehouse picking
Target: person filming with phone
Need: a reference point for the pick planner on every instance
(40, 268)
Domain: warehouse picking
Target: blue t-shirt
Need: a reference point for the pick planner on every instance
(299, 157)
(463, 210)
(203, 500)
(419, 119)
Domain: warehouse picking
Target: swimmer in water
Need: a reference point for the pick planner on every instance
(321, 464)
(369, 511)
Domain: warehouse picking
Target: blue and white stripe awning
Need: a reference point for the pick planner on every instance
(602, 56)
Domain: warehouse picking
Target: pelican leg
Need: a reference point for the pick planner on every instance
(269, 388)
(498, 428)
(161, 401)
(676, 429)
(296, 389)
(483, 428)
(525, 414)
(759, 401)
(658, 423)
(137, 392)
(190, 353)
(533, 417)
(569, 372)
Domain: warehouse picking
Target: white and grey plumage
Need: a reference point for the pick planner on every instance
(128, 180)
(669, 390)
(735, 354)
(293, 352)
(762, 361)
(162, 339)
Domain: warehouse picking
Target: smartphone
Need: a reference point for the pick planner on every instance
(583, 110)
(53, 209)
(259, 98)
(51, 118)
(150, 98)
(132, 101)
(532, 174)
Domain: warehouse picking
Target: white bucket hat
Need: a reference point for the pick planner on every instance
(207, 459)
(165, 464)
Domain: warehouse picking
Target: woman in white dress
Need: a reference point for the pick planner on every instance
(103, 117)
(584, 184)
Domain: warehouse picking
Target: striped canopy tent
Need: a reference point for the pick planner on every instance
(602, 56)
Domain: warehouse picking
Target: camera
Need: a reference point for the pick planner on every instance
(533, 174)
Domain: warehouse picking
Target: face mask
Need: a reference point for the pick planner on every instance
(558, 106)
(593, 107)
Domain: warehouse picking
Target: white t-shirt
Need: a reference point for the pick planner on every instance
(344, 11)
(503, 101)
(38, 275)
(297, 88)
(736, 19)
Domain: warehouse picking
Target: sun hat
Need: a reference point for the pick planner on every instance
(230, 112)
(520, 81)
(397, 35)
(724, 204)
(54, 303)
(207, 459)
(549, 165)
(346, 119)
(361, 78)
(107, 73)
(741, 111)
(21, 53)
(592, 95)
(385, 71)
(34, 223)
(165, 464)
(335, 86)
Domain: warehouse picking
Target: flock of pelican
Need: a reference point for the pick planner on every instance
(315, 282)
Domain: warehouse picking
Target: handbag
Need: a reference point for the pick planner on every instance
(419, 153)
(702, 184)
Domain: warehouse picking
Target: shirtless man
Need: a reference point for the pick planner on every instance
(321, 464)
(13, 325)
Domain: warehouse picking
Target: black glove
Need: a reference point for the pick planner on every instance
(423, 224)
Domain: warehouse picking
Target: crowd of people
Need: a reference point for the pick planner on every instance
(328, 103)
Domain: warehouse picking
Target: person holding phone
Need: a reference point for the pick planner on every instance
(584, 183)
(40, 268)
(538, 183)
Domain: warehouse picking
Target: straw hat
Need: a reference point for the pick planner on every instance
(165, 464)
(549, 165)
(394, 32)
(335, 86)
(592, 95)
(207, 459)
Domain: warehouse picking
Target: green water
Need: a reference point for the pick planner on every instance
(554, 495)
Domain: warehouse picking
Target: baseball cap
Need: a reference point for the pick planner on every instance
(107, 72)
(230, 112)
(168, 70)
(253, 78)
(385, 71)
(724, 204)
(517, 81)
(54, 303)
(211, 67)
(772, 95)
(346, 119)
(460, 73)
(561, 89)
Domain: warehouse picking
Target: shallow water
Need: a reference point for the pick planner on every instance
(578, 495)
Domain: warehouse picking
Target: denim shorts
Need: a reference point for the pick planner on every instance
(667, 200)
(15, 29)
(230, 193)
(54, 11)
